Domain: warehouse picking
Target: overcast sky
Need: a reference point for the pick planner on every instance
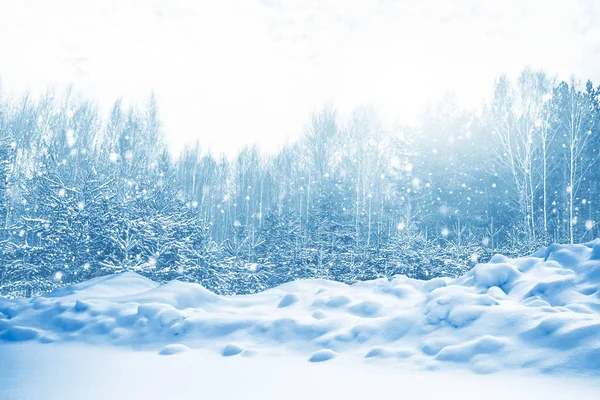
(235, 72)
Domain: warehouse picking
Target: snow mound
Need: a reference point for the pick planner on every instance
(231, 350)
(385, 352)
(127, 283)
(539, 312)
(171, 349)
(19, 334)
(322, 355)
(288, 300)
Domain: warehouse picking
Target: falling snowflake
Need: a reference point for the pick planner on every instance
(589, 224)
(416, 182)
(251, 267)
(71, 138)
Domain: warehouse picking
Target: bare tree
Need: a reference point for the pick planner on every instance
(575, 123)
(517, 116)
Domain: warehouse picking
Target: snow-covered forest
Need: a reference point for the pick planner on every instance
(85, 193)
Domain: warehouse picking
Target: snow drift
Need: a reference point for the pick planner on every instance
(540, 312)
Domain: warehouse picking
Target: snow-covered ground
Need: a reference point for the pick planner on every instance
(75, 372)
(533, 322)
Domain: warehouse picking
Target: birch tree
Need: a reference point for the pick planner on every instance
(516, 116)
(575, 121)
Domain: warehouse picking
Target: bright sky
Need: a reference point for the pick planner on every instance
(251, 71)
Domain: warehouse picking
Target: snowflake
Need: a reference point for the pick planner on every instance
(589, 224)
(251, 267)
(71, 138)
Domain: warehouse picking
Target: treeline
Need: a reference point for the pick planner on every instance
(82, 195)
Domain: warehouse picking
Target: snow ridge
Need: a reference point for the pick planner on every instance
(540, 312)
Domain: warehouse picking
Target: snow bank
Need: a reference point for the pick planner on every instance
(539, 312)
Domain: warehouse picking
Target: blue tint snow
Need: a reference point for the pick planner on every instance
(538, 314)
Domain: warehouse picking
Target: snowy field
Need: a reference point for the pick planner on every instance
(75, 372)
(523, 328)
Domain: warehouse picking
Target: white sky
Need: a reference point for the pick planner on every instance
(235, 72)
